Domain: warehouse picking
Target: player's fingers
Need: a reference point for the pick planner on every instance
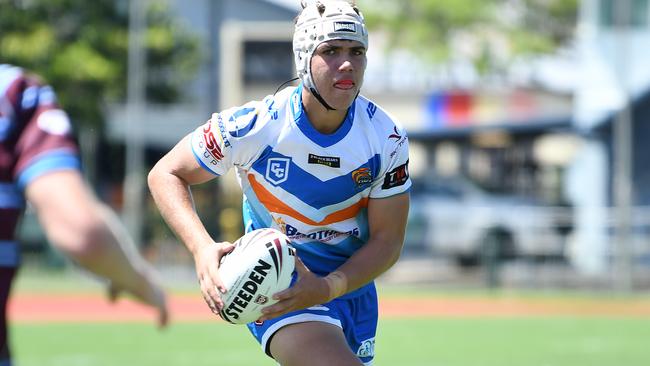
(277, 309)
(227, 248)
(217, 282)
(210, 294)
(284, 294)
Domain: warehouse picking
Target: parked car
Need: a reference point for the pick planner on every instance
(453, 217)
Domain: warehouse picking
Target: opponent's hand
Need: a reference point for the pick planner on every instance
(309, 290)
(207, 260)
(148, 291)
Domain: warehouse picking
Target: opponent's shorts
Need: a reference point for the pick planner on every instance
(356, 315)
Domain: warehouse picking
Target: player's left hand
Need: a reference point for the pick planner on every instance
(309, 290)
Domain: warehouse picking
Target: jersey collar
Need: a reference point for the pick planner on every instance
(302, 121)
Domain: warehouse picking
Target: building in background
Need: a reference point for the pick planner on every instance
(548, 135)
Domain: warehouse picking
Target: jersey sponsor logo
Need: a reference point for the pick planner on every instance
(362, 177)
(345, 27)
(241, 123)
(396, 177)
(277, 170)
(330, 161)
(320, 235)
(212, 149)
(367, 348)
(371, 110)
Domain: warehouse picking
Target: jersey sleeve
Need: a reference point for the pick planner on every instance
(229, 139)
(395, 160)
(46, 141)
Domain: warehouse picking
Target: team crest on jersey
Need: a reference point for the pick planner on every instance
(277, 170)
(362, 177)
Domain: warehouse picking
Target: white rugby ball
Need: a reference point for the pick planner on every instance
(260, 265)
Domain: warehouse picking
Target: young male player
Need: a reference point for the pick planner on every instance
(324, 165)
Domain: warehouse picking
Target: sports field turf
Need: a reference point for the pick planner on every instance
(554, 341)
(461, 329)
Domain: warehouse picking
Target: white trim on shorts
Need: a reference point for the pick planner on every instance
(299, 318)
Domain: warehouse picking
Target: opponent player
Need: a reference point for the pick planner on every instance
(324, 165)
(39, 162)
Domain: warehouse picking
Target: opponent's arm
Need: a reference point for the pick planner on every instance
(89, 233)
(169, 181)
(387, 222)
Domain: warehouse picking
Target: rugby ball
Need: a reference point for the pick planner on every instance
(261, 264)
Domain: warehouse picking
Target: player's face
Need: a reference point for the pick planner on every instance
(337, 69)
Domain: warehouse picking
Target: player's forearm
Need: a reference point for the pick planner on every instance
(369, 262)
(174, 200)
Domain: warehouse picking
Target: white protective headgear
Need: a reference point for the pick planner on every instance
(339, 20)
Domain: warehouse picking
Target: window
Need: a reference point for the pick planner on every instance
(268, 62)
(624, 13)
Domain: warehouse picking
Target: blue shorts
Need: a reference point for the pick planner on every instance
(355, 313)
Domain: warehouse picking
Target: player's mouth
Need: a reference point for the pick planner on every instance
(345, 84)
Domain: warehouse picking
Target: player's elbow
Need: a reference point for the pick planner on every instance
(153, 178)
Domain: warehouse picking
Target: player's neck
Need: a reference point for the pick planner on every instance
(323, 120)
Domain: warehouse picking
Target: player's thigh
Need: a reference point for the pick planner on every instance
(313, 344)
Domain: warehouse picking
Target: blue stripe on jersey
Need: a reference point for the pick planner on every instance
(309, 188)
(46, 163)
(302, 121)
(10, 196)
(9, 254)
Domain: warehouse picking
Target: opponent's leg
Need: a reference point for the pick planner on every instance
(313, 344)
(6, 277)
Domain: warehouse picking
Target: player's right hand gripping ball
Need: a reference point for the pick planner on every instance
(261, 264)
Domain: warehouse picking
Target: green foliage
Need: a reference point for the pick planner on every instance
(81, 49)
(432, 28)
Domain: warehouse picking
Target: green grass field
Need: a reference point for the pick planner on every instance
(415, 342)
(435, 341)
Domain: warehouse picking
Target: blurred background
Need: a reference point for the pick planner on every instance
(527, 121)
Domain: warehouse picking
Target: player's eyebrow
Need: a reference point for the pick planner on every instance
(337, 48)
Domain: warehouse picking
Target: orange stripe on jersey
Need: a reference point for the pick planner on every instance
(273, 204)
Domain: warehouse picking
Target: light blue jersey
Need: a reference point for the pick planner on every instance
(311, 186)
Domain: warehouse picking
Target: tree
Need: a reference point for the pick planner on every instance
(497, 30)
(80, 48)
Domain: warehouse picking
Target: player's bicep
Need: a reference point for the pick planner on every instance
(387, 219)
(181, 162)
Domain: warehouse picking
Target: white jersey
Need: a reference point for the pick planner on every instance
(313, 187)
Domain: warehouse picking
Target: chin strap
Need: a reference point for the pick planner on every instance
(320, 99)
